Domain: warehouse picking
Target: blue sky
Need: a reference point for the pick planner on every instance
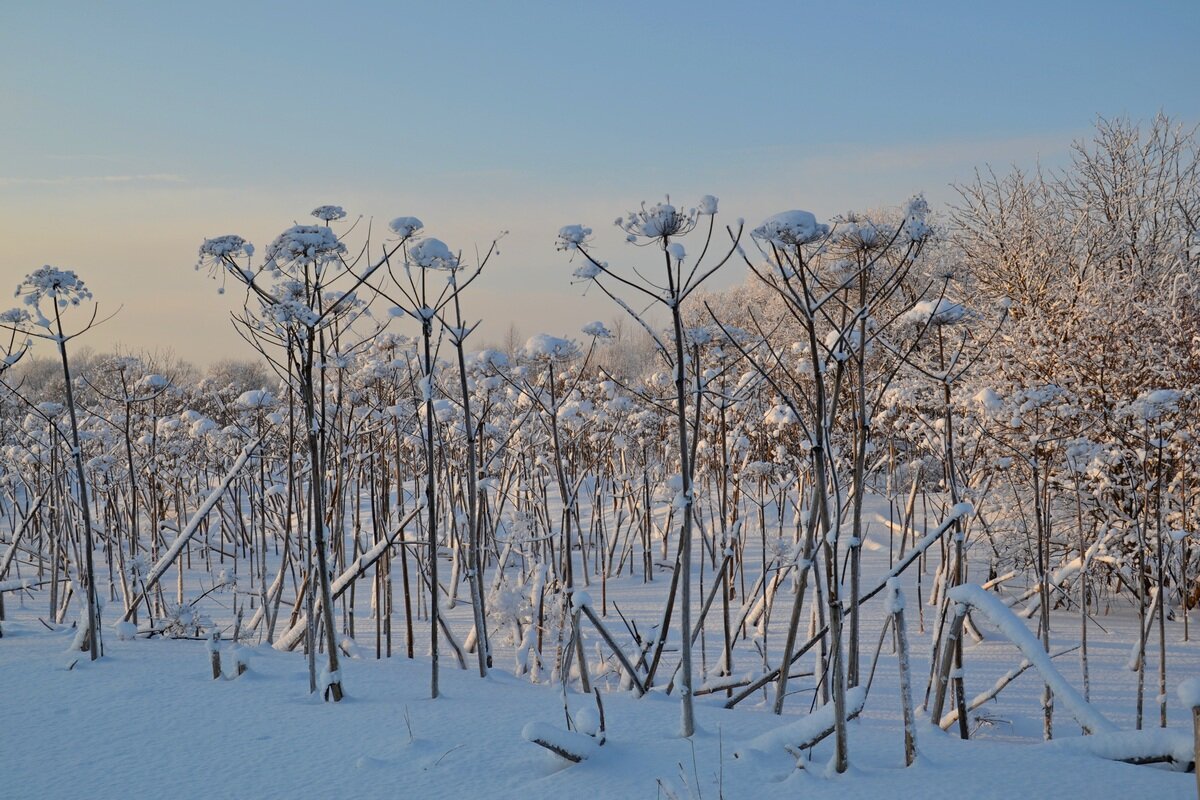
(133, 130)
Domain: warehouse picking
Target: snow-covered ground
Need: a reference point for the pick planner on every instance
(148, 720)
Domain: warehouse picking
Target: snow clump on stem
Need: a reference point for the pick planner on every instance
(598, 330)
(328, 214)
(571, 237)
(934, 312)
(432, 254)
(405, 226)
(305, 244)
(790, 228)
(228, 246)
(543, 346)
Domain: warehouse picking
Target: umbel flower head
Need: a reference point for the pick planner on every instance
(790, 229)
(657, 222)
(328, 214)
(14, 317)
(305, 245)
(432, 254)
(230, 245)
(544, 347)
(405, 226)
(572, 237)
(62, 286)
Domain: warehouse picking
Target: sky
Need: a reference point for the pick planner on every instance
(131, 131)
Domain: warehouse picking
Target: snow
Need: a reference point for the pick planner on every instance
(17, 584)
(803, 731)
(598, 330)
(780, 415)
(1189, 692)
(587, 720)
(790, 228)
(329, 214)
(960, 510)
(255, 399)
(1150, 744)
(405, 226)
(228, 246)
(14, 317)
(62, 286)
(570, 237)
(545, 346)
(659, 221)
(587, 271)
(990, 400)
(1015, 631)
(197, 518)
(579, 745)
(271, 738)
(894, 596)
(432, 254)
(305, 244)
(1154, 404)
(916, 212)
(933, 312)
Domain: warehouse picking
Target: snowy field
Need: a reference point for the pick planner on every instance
(148, 720)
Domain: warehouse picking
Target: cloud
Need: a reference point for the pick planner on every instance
(68, 180)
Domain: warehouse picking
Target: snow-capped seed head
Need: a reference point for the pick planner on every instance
(571, 237)
(676, 251)
(432, 254)
(543, 346)
(916, 213)
(659, 221)
(63, 286)
(291, 307)
(917, 206)
(255, 399)
(598, 330)
(858, 232)
(230, 245)
(328, 214)
(153, 381)
(405, 226)
(489, 358)
(305, 244)
(933, 312)
(790, 228)
(707, 206)
(587, 271)
(780, 416)
(14, 317)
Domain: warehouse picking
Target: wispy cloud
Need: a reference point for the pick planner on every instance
(67, 180)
